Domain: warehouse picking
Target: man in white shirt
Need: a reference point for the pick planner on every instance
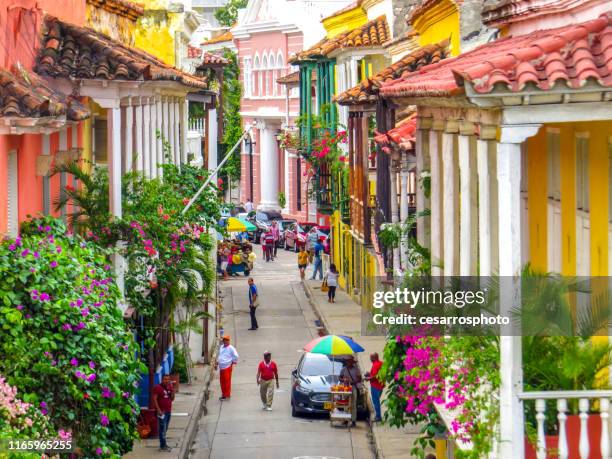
(248, 206)
(227, 358)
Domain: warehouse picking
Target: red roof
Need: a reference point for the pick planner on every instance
(193, 52)
(573, 54)
(402, 136)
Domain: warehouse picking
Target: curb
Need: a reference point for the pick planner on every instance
(192, 426)
(309, 293)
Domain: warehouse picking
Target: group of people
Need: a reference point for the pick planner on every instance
(270, 240)
(234, 257)
(267, 378)
(314, 254)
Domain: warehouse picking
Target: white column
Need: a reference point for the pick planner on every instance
(353, 72)
(422, 166)
(169, 120)
(114, 159)
(404, 208)
(449, 200)
(139, 133)
(146, 138)
(268, 168)
(394, 209)
(509, 205)
(436, 198)
(129, 132)
(485, 160)
(468, 248)
(177, 135)
(212, 141)
(159, 158)
(183, 122)
(153, 124)
(287, 183)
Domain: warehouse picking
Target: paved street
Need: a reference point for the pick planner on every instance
(239, 428)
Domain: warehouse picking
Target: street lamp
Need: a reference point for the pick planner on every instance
(249, 143)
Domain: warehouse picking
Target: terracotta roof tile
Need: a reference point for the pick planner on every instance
(572, 54)
(294, 78)
(72, 51)
(207, 58)
(348, 7)
(374, 33)
(125, 8)
(367, 91)
(26, 95)
(226, 36)
(401, 136)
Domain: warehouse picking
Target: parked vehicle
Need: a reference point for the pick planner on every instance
(262, 220)
(284, 224)
(311, 382)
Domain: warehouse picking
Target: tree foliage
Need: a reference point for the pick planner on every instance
(232, 121)
(228, 14)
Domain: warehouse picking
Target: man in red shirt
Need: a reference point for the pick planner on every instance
(267, 372)
(163, 395)
(376, 384)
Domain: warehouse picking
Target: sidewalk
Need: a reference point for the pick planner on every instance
(186, 410)
(344, 318)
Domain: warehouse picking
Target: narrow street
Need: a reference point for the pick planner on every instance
(239, 428)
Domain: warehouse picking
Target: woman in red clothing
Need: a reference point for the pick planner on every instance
(376, 384)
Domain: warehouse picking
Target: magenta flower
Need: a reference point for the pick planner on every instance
(80, 326)
(91, 378)
(58, 249)
(19, 307)
(78, 374)
(126, 395)
(44, 297)
(12, 247)
(25, 252)
(85, 312)
(67, 327)
(36, 255)
(106, 393)
(53, 264)
(99, 451)
(92, 365)
(74, 362)
(104, 419)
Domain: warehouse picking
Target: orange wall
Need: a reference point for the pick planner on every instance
(30, 185)
(20, 23)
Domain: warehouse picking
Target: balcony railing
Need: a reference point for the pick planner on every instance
(591, 427)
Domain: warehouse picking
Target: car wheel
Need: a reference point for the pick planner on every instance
(294, 412)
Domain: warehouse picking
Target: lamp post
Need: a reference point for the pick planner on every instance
(248, 142)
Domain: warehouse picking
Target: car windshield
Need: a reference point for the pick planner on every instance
(321, 366)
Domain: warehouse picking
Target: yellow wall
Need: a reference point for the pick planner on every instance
(599, 182)
(438, 23)
(156, 30)
(345, 21)
(538, 200)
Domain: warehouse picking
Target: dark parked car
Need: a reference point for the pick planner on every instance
(262, 220)
(311, 383)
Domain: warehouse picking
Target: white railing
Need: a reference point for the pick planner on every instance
(586, 408)
(197, 124)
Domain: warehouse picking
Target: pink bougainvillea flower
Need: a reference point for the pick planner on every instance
(67, 327)
(104, 421)
(106, 393)
(99, 450)
(53, 264)
(80, 326)
(19, 307)
(25, 252)
(12, 247)
(92, 365)
(74, 362)
(91, 378)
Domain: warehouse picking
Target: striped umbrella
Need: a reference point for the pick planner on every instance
(333, 345)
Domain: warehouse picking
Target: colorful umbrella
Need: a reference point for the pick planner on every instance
(333, 345)
(238, 225)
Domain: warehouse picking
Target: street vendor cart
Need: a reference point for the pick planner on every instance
(341, 403)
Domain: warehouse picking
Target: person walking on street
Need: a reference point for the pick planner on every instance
(332, 282)
(302, 261)
(351, 375)
(318, 261)
(269, 245)
(376, 385)
(253, 303)
(311, 240)
(227, 358)
(163, 396)
(267, 373)
(276, 235)
(248, 206)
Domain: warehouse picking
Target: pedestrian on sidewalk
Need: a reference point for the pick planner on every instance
(269, 245)
(318, 261)
(302, 261)
(253, 303)
(275, 229)
(163, 396)
(227, 358)
(376, 384)
(267, 372)
(332, 282)
(351, 375)
(311, 240)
